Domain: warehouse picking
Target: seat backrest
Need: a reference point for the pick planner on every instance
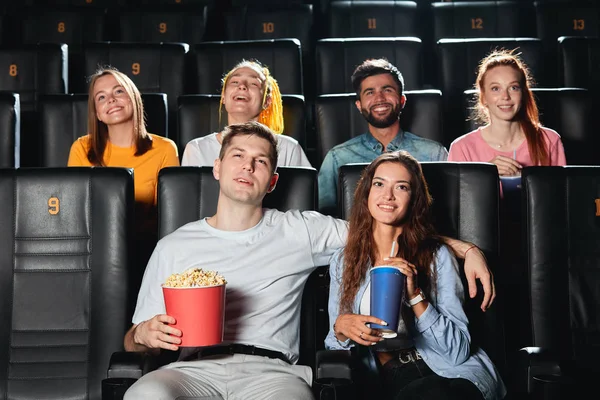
(186, 194)
(373, 19)
(63, 118)
(336, 60)
(465, 207)
(338, 120)
(71, 25)
(32, 70)
(264, 23)
(63, 279)
(10, 130)
(578, 58)
(573, 18)
(198, 116)
(562, 241)
(211, 60)
(156, 25)
(483, 19)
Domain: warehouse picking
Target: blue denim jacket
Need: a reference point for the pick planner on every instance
(440, 334)
(364, 149)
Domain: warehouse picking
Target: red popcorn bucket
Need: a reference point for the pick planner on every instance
(199, 313)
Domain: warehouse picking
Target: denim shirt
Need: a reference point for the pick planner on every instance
(440, 334)
(364, 149)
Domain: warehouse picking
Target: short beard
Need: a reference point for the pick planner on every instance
(382, 123)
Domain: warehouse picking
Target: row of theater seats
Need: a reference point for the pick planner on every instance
(66, 280)
(192, 22)
(61, 119)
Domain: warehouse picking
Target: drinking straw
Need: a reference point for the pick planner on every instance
(393, 252)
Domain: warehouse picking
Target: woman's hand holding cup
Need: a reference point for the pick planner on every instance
(354, 327)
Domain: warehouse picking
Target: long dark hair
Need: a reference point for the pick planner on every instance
(528, 116)
(417, 243)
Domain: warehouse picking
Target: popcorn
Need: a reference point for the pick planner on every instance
(195, 277)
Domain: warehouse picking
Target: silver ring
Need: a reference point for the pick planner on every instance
(360, 336)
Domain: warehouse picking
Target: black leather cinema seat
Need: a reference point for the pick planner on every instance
(198, 116)
(211, 60)
(70, 25)
(373, 19)
(32, 70)
(465, 206)
(562, 211)
(10, 130)
(186, 194)
(578, 60)
(155, 25)
(483, 19)
(338, 119)
(336, 60)
(573, 18)
(271, 22)
(65, 236)
(63, 118)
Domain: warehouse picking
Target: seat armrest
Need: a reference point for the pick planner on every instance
(538, 370)
(334, 364)
(127, 364)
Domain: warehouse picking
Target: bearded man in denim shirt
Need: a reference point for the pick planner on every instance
(380, 99)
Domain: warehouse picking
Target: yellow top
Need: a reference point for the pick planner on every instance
(145, 167)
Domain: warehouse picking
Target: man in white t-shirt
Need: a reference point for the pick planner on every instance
(266, 257)
(249, 93)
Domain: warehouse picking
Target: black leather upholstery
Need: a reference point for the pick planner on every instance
(336, 60)
(155, 25)
(211, 60)
(63, 118)
(63, 279)
(73, 26)
(373, 18)
(32, 70)
(569, 111)
(10, 130)
(577, 61)
(338, 120)
(465, 206)
(199, 116)
(271, 22)
(562, 222)
(573, 18)
(483, 19)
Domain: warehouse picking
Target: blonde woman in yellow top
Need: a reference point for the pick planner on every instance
(117, 135)
(249, 93)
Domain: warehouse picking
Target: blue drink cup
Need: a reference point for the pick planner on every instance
(387, 289)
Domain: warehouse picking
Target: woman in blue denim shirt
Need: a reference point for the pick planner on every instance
(431, 356)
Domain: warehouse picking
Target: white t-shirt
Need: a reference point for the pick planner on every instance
(203, 151)
(265, 267)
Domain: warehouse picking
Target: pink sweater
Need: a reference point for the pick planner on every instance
(472, 147)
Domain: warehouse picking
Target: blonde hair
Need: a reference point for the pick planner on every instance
(98, 130)
(271, 116)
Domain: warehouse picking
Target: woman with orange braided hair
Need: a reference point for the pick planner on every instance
(249, 93)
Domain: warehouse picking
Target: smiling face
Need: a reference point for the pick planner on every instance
(112, 102)
(380, 100)
(390, 194)
(245, 173)
(502, 93)
(243, 95)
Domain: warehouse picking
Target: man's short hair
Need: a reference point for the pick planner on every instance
(373, 67)
(251, 128)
